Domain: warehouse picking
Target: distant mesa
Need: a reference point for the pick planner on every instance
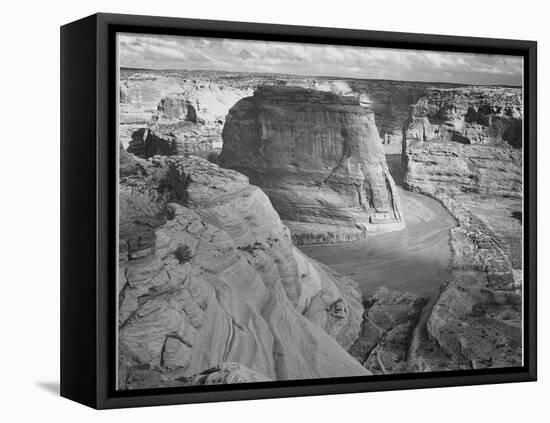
(319, 158)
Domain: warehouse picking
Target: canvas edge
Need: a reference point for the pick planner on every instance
(105, 168)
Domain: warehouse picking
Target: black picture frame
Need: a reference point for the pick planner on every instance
(88, 201)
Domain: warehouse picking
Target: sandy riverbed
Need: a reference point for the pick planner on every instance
(415, 259)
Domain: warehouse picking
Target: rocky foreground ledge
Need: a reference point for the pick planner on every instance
(318, 157)
(208, 275)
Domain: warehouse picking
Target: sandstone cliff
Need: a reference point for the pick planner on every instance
(390, 102)
(318, 157)
(465, 140)
(208, 275)
(463, 147)
(139, 94)
(467, 324)
(188, 121)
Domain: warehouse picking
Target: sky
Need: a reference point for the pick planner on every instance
(183, 52)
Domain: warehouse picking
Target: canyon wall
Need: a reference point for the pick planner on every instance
(212, 289)
(318, 157)
(463, 146)
(465, 140)
(390, 102)
(173, 115)
(208, 277)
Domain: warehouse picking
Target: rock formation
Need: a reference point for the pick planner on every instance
(207, 101)
(169, 139)
(386, 331)
(465, 140)
(390, 102)
(457, 168)
(140, 92)
(139, 95)
(211, 288)
(188, 121)
(468, 115)
(208, 275)
(463, 147)
(222, 374)
(468, 325)
(318, 157)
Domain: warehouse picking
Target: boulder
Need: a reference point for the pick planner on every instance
(389, 320)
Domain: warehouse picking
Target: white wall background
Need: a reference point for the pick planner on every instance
(29, 224)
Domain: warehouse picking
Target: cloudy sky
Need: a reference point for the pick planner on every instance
(175, 52)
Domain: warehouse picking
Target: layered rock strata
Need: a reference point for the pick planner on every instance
(463, 147)
(172, 139)
(318, 157)
(465, 140)
(468, 324)
(208, 275)
(386, 332)
(187, 117)
(475, 320)
(390, 102)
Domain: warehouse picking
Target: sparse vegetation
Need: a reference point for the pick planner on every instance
(183, 254)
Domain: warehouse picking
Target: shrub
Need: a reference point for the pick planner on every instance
(183, 254)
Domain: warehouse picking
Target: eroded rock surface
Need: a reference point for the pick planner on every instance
(390, 101)
(318, 157)
(222, 374)
(463, 147)
(468, 325)
(211, 289)
(187, 117)
(465, 140)
(208, 274)
(388, 323)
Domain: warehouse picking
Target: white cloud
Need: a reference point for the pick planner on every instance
(175, 52)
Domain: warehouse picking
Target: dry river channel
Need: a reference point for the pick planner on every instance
(415, 259)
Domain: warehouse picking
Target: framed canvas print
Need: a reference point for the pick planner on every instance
(254, 211)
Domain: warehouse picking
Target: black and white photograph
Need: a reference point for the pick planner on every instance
(298, 211)
(275, 212)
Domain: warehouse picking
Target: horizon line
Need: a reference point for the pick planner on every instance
(319, 76)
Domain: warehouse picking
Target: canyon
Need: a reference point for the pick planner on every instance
(318, 157)
(337, 227)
